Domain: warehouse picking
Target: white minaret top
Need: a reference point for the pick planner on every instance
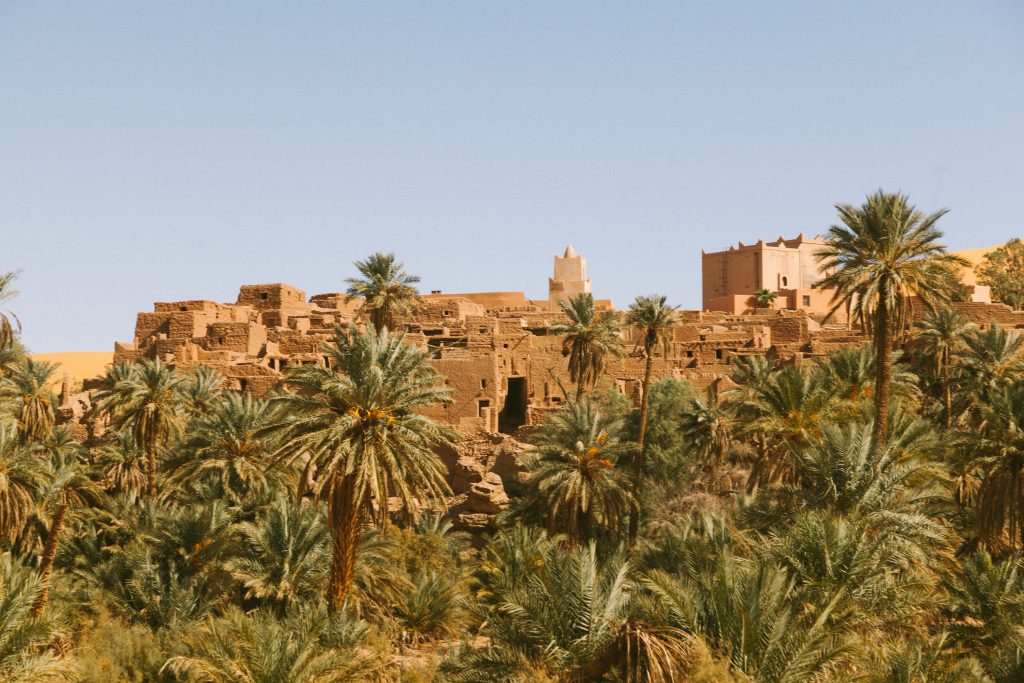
(570, 278)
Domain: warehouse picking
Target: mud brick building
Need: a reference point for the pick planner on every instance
(495, 349)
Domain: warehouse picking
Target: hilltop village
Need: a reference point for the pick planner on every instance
(496, 350)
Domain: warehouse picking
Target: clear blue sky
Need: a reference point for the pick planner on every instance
(162, 151)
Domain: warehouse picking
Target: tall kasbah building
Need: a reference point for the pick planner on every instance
(786, 267)
(570, 278)
(790, 269)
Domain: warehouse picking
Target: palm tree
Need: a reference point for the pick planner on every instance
(654, 321)
(987, 611)
(203, 389)
(69, 485)
(849, 375)
(22, 477)
(999, 454)
(309, 646)
(844, 472)
(229, 448)
(708, 425)
(914, 661)
(28, 382)
(386, 289)
(429, 608)
(27, 652)
(148, 399)
(283, 556)
(885, 253)
(765, 298)
(357, 427)
(993, 359)
(568, 616)
(787, 411)
(590, 338)
(122, 463)
(753, 614)
(574, 482)
(8, 330)
(941, 338)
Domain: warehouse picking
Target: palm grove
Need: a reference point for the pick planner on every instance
(858, 518)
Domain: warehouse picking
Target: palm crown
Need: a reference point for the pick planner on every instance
(885, 254)
(386, 289)
(590, 338)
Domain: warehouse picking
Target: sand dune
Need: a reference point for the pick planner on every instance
(80, 365)
(974, 256)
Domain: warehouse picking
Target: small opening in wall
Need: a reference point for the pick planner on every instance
(183, 308)
(504, 346)
(264, 296)
(446, 313)
(483, 330)
(483, 383)
(483, 404)
(785, 281)
(220, 340)
(243, 384)
(718, 354)
(806, 300)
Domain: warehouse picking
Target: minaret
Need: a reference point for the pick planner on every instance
(570, 278)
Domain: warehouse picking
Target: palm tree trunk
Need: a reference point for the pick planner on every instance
(949, 399)
(151, 470)
(344, 521)
(579, 390)
(883, 374)
(641, 446)
(49, 554)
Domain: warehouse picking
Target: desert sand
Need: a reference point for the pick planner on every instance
(80, 365)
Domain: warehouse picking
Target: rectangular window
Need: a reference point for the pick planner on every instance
(481, 406)
(718, 354)
(483, 384)
(264, 296)
(807, 299)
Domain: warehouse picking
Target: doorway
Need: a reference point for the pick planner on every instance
(513, 414)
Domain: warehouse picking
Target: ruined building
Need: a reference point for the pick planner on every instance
(495, 349)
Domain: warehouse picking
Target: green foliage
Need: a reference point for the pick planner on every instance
(1003, 270)
(228, 451)
(576, 484)
(10, 326)
(386, 290)
(672, 440)
(568, 616)
(589, 338)
(110, 651)
(765, 298)
(29, 651)
(307, 646)
(27, 386)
